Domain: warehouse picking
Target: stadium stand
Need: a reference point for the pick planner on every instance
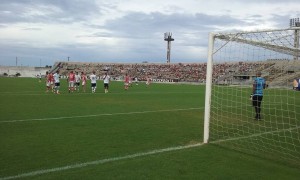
(276, 71)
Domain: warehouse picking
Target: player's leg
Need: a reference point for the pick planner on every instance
(72, 86)
(255, 105)
(57, 86)
(47, 86)
(83, 86)
(259, 106)
(52, 86)
(77, 86)
(93, 88)
(106, 88)
(69, 86)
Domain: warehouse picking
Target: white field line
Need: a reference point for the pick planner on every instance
(102, 161)
(256, 135)
(95, 115)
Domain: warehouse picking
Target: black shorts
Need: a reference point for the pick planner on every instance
(57, 84)
(93, 84)
(77, 83)
(106, 85)
(256, 100)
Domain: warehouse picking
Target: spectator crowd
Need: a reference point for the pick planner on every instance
(179, 72)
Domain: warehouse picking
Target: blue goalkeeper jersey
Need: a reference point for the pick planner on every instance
(259, 84)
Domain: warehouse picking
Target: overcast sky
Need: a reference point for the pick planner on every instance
(45, 31)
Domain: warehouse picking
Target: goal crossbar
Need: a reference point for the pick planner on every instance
(277, 48)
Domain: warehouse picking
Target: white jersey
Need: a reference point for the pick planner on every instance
(93, 78)
(56, 78)
(77, 78)
(106, 79)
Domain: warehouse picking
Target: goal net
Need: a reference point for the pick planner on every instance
(233, 60)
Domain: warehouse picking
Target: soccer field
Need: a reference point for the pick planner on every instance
(142, 133)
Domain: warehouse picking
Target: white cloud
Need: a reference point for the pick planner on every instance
(127, 31)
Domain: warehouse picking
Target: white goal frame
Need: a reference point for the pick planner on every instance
(293, 51)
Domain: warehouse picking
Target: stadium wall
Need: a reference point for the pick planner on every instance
(23, 70)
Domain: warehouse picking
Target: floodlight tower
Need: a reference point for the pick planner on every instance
(295, 22)
(168, 38)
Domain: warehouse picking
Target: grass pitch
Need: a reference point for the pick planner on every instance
(142, 133)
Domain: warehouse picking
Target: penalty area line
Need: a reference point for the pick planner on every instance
(102, 161)
(95, 115)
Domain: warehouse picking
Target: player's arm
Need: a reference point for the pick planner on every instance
(254, 87)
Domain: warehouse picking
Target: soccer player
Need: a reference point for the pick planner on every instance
(56, 82)
(130, 82)
(48, 81)
(136, 81)
(148, 81)
(51, 81)
(83, 78)
(259, 85)
(40, 76)
(126, 81)
(295, 84)
(71, 80)
(106, 80)
(77, 81)
(93, 78)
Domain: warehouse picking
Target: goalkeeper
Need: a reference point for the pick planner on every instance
(259, 85)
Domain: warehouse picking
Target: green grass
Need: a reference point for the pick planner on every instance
(41, 131)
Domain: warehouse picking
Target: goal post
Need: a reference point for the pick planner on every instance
(233, 60)
(209, 69)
